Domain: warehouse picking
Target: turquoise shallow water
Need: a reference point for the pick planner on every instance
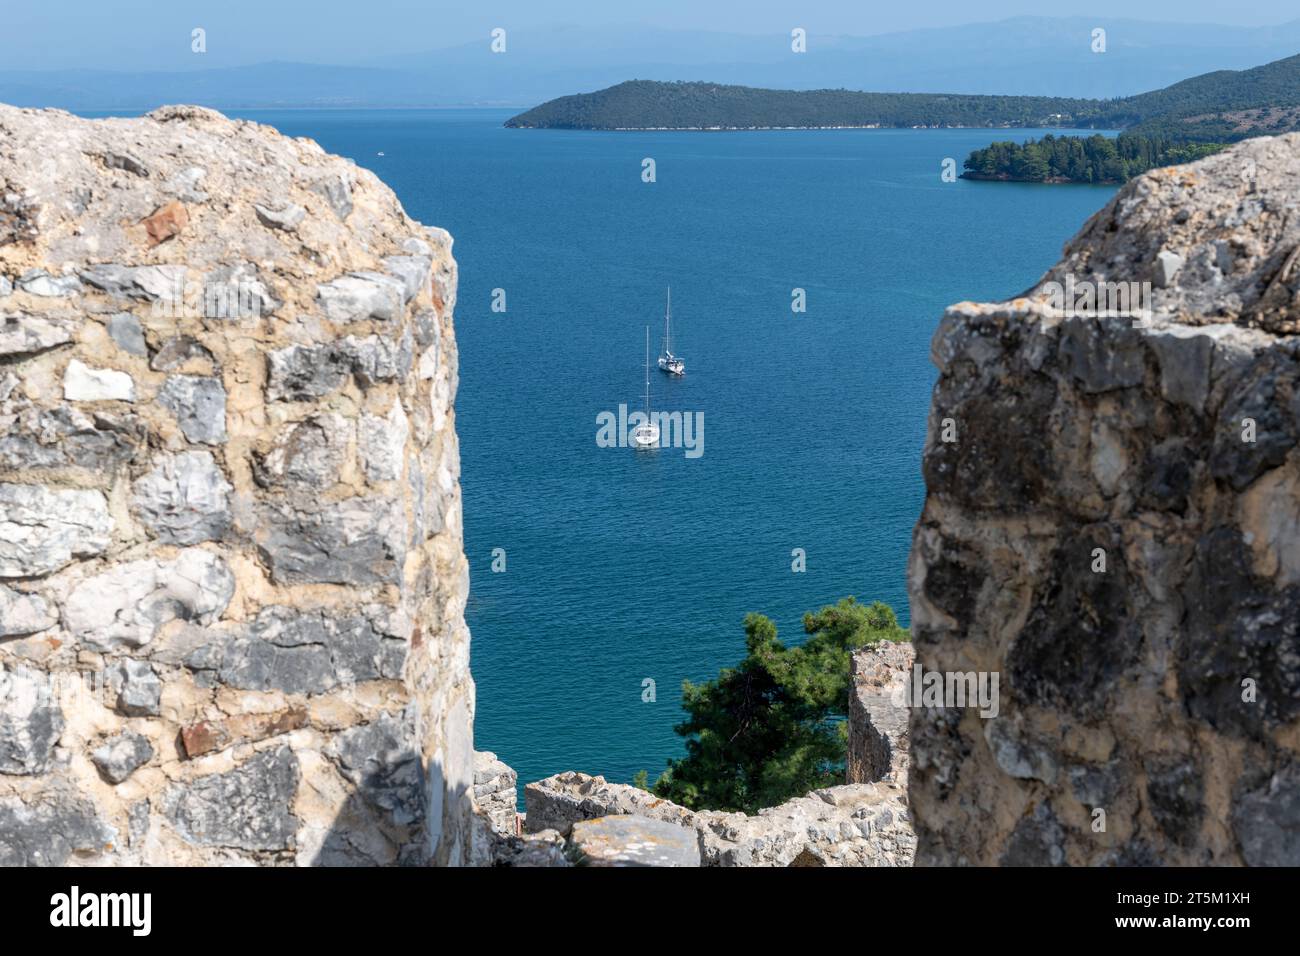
(624, 566)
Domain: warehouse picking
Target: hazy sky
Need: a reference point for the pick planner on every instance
(154, 34)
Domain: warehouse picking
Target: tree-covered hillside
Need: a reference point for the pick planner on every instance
(1096, 159)
(646, 104)
(1225, 106)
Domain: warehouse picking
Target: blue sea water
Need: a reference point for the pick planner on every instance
(623, 566)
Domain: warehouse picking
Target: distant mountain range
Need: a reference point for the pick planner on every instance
(1215, 107)
(1025, 56)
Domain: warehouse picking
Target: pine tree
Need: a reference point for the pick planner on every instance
(772, 727)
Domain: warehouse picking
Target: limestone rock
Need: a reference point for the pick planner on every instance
(495, 793)
(1267, 820)
(362, 295)
(68, 436)
(135, 686)
(51, 828)
(23, 613)
(185, 184)
(129, 162)
(286, 218)
(309, 454)
(41, 283)
(199, 404)
(337, 191)
(377, 358)
(1112, 533)
(248, 808)
(152, 283)
(381, 759)
(546, 849)
(1167, 266)
(630, 840)
(853, 825)
(185, 499)
(124, 328)
(236, 291)
(560, 801)
(415, 272)
(121, 755)
(1212, 237)
(84, 384)
(355, 541)
(22, 334)
(495, 831)
(30, 721)
(183, 352)
(304, 652)
(125, 606)
(300, 373)
(43, 529)
(382, 443)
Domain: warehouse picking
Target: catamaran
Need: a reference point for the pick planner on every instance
(668, 362)
(646, 435)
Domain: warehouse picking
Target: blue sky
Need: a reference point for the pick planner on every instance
(154, 34)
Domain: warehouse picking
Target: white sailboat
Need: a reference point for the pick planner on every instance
(647, 434)
(668, 362)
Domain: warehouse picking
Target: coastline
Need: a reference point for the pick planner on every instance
(742, 129)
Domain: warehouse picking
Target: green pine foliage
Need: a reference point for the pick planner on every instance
(1096, 159)
(772, 727)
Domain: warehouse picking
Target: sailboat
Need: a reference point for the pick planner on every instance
(668, 362)
(646, 435)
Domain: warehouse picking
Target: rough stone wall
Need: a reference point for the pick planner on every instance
(878, 714)
(495, 798)
(1104, 535)
(854, 825)
(231, 568)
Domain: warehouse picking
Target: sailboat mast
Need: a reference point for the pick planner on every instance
(668, 324)
(647, 374)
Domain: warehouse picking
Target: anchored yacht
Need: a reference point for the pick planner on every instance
(668, 362)
(646, 435)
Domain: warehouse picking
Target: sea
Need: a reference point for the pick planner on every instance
(808, 270)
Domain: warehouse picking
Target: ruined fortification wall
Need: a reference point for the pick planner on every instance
(878, 715)
(1112, 525)
(231, 571)
(865, 824)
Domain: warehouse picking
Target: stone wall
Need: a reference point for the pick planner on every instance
(231, 569)
(878, 716)
(1112, 526)
(854, 825)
